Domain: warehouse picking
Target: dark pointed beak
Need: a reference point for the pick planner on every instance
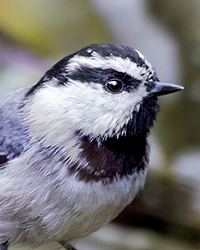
(162, 88)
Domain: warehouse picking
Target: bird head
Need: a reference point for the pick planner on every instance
(101, 91)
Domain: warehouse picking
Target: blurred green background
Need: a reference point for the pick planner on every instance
(35, 34)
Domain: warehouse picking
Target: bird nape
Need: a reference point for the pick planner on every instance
(73, 148)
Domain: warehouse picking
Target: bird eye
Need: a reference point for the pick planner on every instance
(114, 86)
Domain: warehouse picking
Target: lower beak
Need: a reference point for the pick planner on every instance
(162, 88)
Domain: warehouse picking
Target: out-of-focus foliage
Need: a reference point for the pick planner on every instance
(182, 117)
(52, 27)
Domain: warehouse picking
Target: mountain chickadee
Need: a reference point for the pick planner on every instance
(73, 148)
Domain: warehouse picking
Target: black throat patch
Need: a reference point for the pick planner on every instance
(118, 156)
(113, 158)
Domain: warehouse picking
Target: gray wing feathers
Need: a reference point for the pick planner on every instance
(14, 138)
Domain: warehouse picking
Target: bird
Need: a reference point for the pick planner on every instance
(74, 147)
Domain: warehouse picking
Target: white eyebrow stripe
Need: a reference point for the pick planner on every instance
(111, 62)
(141, 56)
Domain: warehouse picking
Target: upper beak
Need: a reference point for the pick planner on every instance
(162, 88)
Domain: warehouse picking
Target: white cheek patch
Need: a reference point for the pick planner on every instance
(113, 62)
(54, 114)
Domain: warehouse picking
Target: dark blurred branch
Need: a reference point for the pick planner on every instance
(165, 206)
(8, 40)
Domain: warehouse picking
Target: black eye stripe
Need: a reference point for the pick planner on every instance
(98, 75)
